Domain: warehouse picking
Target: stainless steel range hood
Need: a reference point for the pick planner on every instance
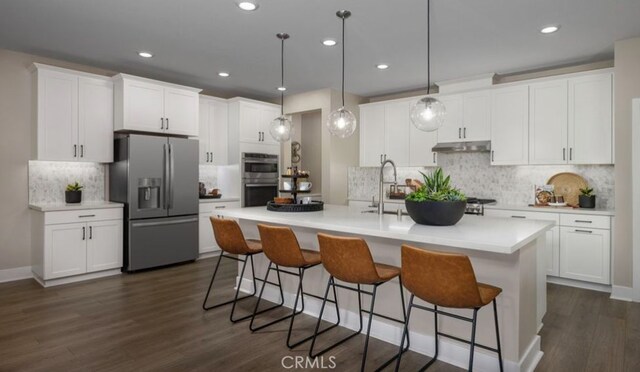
(472, 146)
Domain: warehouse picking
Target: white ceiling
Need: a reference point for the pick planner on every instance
(193, 40)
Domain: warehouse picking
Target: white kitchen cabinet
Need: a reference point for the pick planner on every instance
(71, 245)
(548, 113)
(476, 116)
(207, 242)
(552, 254)
(451, 130)
(585, 254)
(249, 121)
(420, 145)
(510, 126)
(397, 126)
(213, 134)
(146, 105)
(372, 134)
(267, 115)
(73, 115)
(590, 119)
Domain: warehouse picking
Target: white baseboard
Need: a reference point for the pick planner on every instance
(579, 284)
(622, 293)
(76, 278)
(209, 254)
(450, 351)
(18, 273)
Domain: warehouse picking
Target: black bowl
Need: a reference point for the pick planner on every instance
(436, 213)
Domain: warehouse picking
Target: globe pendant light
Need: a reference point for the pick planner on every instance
(427, 114)
(280, 128)
(342, 122)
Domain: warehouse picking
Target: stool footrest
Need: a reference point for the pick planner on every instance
(467, 341)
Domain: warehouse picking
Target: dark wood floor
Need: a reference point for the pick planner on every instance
(153, 321)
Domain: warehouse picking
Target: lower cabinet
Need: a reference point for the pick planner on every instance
(70, 243)
(552, 256)
(207, 242)
(585, 254)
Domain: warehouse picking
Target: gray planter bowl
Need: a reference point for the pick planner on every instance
(436, 213)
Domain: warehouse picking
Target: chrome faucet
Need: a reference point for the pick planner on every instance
(382, 183)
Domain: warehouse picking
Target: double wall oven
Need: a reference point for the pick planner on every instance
(260, 178)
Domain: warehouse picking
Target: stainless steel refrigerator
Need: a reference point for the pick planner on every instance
(157, 179)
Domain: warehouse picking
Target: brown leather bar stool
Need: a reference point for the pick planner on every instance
(281, 247)
(231, 241)
(349, 260)
(447, 280)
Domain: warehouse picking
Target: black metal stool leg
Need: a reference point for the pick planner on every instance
(235, 299)
(495, 318)
(366, 340)
(405, 332)
(215, 271)
(473, 338)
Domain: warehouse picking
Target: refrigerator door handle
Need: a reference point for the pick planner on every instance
(165, 151)
(171, 178)
(163, 223)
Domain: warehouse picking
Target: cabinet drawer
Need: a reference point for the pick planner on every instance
(210, 208)
(541, 216)
(86, 215)
(581, 220)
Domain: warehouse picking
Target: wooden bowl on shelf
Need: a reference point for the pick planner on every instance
(283, 200)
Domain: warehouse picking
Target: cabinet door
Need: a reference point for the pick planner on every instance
(372, 135)
(510, 126)
(590, 119)
(250, 127)
(218, 136)
(104, 245)
(420, 145)
(548, 122)
(57, 116)
(552, 254)
(451, 131)
(266, 117)
(206, 239)
(181, 111)
(143, 106)
(476, 116)
(585, 254)
(397, 123)
(95, 110)
(204, 137)
(65, 250)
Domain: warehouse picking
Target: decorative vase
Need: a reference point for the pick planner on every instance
(585, 201)
(436, 213)
(71, 197)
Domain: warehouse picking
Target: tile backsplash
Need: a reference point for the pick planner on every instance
(209, 175)
(473, 174)
(48, 180)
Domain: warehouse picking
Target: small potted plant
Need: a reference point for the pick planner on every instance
(586, 199)
(73, 193)
(436, 202)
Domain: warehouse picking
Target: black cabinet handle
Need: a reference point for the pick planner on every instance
(90, 232)
(167, 119)
(584, 231)
(518, 217)
(570, 153)
(564, 153)
(583, 221)
(459, 132)
(84, 235)
(211, 156)
(161, 123)
(82, 151)
(434, 158)
(86, 215)
(464, 132)
(75, 151)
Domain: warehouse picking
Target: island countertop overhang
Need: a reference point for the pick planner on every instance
(479, 233)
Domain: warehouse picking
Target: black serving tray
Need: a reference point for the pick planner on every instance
(314, 206)
(211, 196)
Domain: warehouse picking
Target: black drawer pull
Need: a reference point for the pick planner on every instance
(86, 215)
(220, 207)
(584, 231)
(518, 217)
(583, 221)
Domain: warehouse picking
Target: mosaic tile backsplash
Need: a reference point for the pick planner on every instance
(48, 180)
(209, 175)
(473, 174)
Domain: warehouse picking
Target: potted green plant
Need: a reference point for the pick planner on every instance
(73, 193)
(586, 199)
(436, 202)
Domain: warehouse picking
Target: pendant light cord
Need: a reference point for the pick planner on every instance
(282, 76)
(343, 22)
(428, 47)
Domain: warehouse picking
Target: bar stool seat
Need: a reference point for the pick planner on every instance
(311, 258)
(349, 260)
(488, 293)
(235, 247)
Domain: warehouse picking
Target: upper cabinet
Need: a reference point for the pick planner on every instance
(146, 105)
(73, 115)
(249, 121)
(213, 131)
(372, 134)
(571, 120)
(510, 126)
(468, 117)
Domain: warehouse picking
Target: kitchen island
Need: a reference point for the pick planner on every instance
(504, 252)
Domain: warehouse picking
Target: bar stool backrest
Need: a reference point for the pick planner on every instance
(442, 279)
(281, 246)
(229, 236)
(348, 259)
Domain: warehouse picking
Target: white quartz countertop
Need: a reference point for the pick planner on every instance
(595, 211)
(75, 207)
(220, 200)
(497, 235)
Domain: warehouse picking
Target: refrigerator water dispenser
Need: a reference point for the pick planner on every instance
(149, 193)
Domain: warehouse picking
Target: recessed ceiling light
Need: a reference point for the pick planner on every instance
(549, 29)
(382, 66)
(145, 54)
(223, 74)
(329, 42)
(282, 89)
(247, 5)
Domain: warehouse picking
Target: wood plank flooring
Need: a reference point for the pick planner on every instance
(153, 321)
